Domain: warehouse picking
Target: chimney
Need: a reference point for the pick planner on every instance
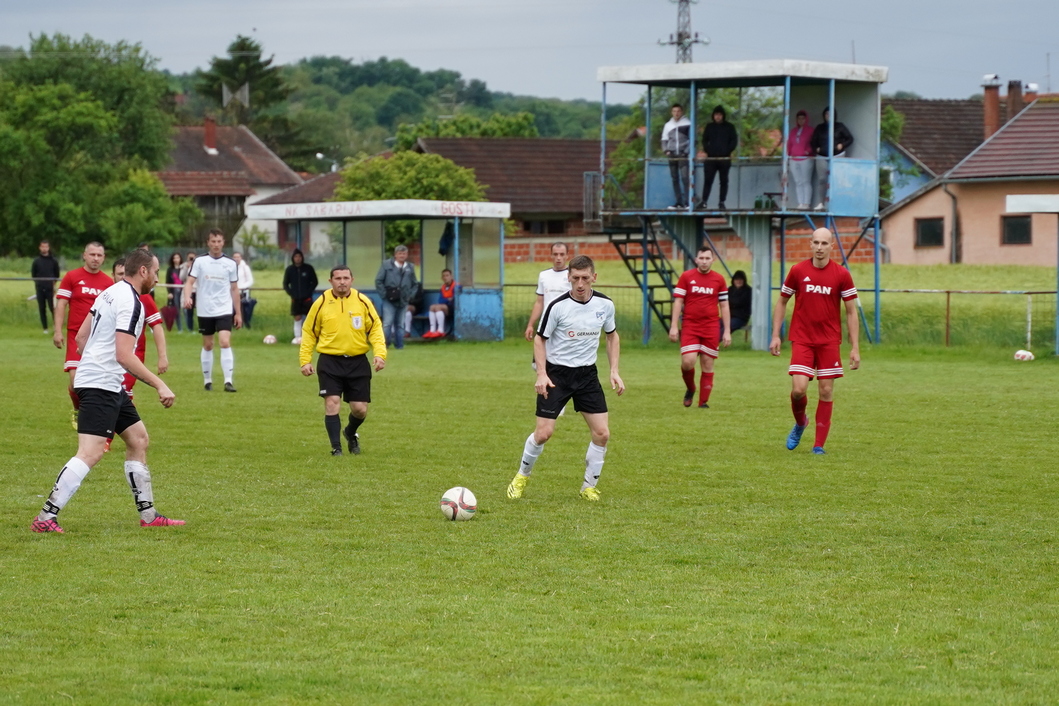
(990, 105)
(209, 135)
(1015, 104)
(1031, 92)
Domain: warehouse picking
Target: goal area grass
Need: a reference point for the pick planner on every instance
(916, 562)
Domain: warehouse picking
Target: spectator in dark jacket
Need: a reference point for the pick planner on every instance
(739, 301)
(299, 282)
(45, 272)
(395, 284)
(820, 147)
(718, 142)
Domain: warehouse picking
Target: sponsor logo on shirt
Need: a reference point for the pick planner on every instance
(91, 290)
(578, 334)
(817, 289)
(702, 290)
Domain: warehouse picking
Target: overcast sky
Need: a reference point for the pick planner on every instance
(937, 48)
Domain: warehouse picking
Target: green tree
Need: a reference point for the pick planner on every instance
(518, 125)
(407, 175)
(63, 178)
(122, 77)
(892, 126)
(243, 65)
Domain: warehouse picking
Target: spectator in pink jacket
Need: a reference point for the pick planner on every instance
(800, 163)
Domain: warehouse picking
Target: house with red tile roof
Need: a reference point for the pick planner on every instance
(960, 215)
(223, 169)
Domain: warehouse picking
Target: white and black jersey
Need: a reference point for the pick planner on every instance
(571, 329)
(213, 279)
(552, 284)
(118, 308)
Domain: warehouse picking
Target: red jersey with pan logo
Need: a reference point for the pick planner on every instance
(818, 293)
(702, 293)
(80, 288)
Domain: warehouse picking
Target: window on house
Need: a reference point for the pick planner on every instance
(550, 227)
(1016, 230)
(930, 232)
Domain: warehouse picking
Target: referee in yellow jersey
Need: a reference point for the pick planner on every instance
(343, 326)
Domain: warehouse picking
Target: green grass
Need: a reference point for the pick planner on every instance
(915, 563)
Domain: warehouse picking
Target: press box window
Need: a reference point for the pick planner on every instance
(930, 232)
(1016, 230)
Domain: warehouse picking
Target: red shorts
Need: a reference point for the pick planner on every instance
(72, 356)
(822, 361)
(701, 339)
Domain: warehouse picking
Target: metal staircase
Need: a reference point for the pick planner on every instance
(654, 274)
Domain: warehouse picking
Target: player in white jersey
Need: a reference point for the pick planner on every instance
(565, 348)
(217, 279)
(551, 284)
(107, 341)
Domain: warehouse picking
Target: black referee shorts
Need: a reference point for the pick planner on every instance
(104, 413)
(580, 384)
(348, 376)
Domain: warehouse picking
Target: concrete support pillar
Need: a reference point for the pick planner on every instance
(756, 232)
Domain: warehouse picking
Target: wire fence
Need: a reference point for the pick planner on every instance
(921, 317)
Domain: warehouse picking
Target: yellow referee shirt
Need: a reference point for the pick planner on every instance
(342, 326)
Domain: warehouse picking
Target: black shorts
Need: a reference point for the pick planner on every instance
(580, 384)
(300, 307)
(209, 325)
(104, 413)
(348, 376)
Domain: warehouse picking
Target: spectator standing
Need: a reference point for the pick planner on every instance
(218, 313)
(299, 282)
(822, 148)
(395, 283)
(343, 326)
(800, 162)
(78, 290)
(45, 273)
(245, 282)
(174, 282)
(185, 270)
(676, 142)
(719, 140)
(739, 300)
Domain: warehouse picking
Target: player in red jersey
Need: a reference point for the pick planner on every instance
(816, 333)
(699, 294)
(78, 291)
(152, 318)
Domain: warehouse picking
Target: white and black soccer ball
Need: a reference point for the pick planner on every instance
(459, 504)
(1023, 355)
(269, 339)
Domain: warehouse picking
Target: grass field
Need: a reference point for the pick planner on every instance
(915, 563)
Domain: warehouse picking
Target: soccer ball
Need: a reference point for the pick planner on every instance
(1023, 355)
(270, 339)
(458, 504)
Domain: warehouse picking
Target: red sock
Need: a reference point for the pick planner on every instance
(689, 378)
(798, 407)
(705, 387)
(823, 422)
(74, 398)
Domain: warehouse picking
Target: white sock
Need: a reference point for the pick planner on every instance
(297, 328)
(66, 485)
(593, 464)
(441, 321)
(408, 322)
(140, 483)
(207, 364)
(227, 363)
(530, 453)
(433, 316)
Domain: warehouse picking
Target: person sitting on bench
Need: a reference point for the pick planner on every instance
(438, 312)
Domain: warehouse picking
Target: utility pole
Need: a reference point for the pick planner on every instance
(683, 40)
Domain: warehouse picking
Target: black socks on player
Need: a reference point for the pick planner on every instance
(334, 430)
